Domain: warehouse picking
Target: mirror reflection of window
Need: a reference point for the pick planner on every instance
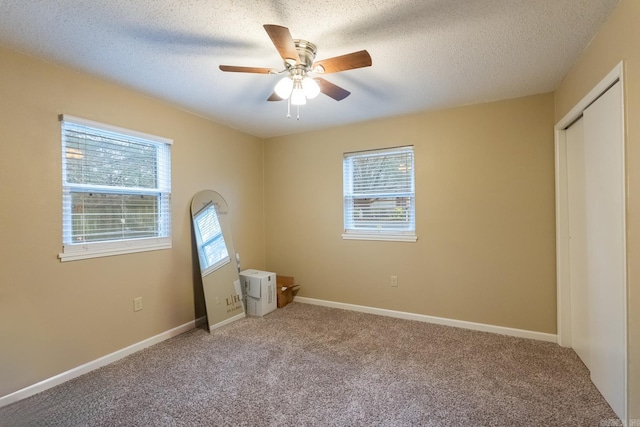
(213, 249)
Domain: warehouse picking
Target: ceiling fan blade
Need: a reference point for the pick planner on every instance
(331, 90)
(274, 97)
(281, 38)
(234, 69)
(345, 62)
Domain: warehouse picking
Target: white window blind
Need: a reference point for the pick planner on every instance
(379, 195)
(213, 249)
(116, 190)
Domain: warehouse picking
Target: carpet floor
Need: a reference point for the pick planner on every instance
(307, 365)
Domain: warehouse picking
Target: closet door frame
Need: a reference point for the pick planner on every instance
(563, 280)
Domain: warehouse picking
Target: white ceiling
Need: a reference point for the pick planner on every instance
(427, 54)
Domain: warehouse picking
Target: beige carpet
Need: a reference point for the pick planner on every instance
(306, 365)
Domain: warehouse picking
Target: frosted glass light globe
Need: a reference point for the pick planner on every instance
(284, 87)
(297, 97)
(310, 87)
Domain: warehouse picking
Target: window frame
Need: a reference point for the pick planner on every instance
(85, 250)
(352, 233)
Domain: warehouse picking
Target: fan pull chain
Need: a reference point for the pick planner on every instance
(289, 109)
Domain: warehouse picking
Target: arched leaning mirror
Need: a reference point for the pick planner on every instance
(217, 259)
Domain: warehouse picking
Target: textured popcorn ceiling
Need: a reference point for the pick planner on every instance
(427, 54)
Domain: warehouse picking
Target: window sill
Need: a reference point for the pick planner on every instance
(98, 250)
(381, 237)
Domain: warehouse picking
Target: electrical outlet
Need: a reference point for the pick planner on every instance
(394, 281)
(137, 304)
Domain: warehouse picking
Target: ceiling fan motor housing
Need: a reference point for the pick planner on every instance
(306, 52)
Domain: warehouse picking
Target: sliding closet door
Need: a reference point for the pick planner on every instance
(577, 207)
(605, 245)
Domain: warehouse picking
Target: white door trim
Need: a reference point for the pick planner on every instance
(562, 218)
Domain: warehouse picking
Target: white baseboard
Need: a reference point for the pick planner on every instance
(93, 365)
(201, 321)
(521, 333)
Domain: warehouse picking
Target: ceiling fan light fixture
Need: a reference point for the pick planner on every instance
(284, 87)
(297, 96)
(310, 87)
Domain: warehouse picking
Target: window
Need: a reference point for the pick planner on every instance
(379, 195)
(116, 190)
(213, 251)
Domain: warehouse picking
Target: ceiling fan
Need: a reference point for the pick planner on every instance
(299, 61)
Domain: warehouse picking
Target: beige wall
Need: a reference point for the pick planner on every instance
(485, 213)
(618, 40)
(56, 316)
(485, 216)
